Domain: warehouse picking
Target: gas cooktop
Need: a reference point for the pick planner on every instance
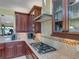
(42, 48)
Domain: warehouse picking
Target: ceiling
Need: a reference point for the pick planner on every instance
(20, 5)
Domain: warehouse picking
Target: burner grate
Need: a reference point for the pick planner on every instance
(43, 48)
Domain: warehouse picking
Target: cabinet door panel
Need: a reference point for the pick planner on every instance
(10, 52)
(24, 23)
(38, 27)
(18, 20)
(2, 51)
(30, 23)
(19, 50)
(21, 22)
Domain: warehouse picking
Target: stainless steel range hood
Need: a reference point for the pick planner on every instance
(43, 17)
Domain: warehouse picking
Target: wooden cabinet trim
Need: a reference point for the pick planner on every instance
(67, 35)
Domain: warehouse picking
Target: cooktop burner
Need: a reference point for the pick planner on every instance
(42, 48)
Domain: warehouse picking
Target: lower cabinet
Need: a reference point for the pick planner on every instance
(20, 50)
(16, 49)
(30, 53)
(10, 50)
(2, 53)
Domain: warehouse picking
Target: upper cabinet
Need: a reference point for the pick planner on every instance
(30, 23)
(60, 15)
(66, 18)
(21, 22)
(74, 16)
(35, 13)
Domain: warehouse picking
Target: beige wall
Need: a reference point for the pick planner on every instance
(46, 27)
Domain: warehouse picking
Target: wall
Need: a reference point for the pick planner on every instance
(46, 27)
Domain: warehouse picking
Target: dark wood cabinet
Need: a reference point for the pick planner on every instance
(30, 53)
(21, 22)
(2, 52)
(20, 50)
(16, 49)
(30, 23)
(9, 50)
(36, 11)
(38, 27)
(12, 49)
(65, 19)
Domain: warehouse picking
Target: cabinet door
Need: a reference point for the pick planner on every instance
(21, 22)
(29, 53)
(18, 20)
(24, 22)
(38, 27)
(2, 52)
(30, 23)
(9, 50)
(20, 51)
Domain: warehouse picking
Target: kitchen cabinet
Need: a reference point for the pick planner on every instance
(36, 11)
(38, 27)
(20, 50)
(65, 19)
(16, 49)
(10, 50)
(2, 54)
(30, 23)
(21, 22)
(59, 19)
(30, 53)
(73, 16)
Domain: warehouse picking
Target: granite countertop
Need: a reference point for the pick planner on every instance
(29, 41)
(60, 53)
(40, 56)
(5, 39)
(54, 54)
